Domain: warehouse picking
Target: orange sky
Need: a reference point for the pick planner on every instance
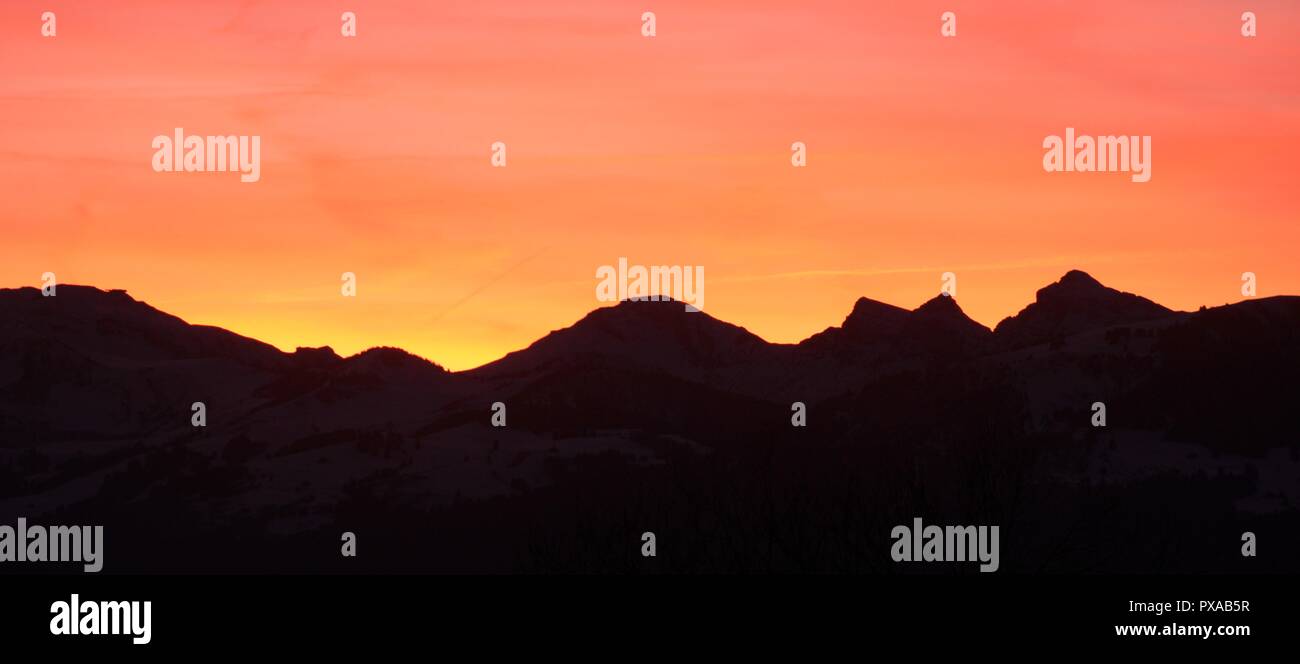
(924, 157)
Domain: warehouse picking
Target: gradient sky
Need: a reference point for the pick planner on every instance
(924, 157)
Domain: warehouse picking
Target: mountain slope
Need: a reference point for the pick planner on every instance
(875, 332)
(642, 415)
(658, 336)
(96, 364)
(1076, 303)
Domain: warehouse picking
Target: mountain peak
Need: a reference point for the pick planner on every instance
(866, 306)
(386, 360)
(943, 313)
(111, 326)
(1079, 279)
(644, 305)
(872, 314)
(1075, 303)
(1075, 285)
(940, 304)
(937, 325)
(315, 358)
(645, 332)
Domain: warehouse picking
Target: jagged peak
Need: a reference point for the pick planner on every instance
(324, 356)
(1075, 303)
(871, 313)
(865, 306)
(941, 303)
(1079, 286)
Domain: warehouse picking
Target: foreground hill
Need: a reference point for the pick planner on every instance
(644, 416)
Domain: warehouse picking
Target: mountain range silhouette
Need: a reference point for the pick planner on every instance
(641, 416)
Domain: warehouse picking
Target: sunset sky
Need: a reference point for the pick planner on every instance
(924, 157)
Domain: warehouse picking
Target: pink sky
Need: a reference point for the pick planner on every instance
(924, 157)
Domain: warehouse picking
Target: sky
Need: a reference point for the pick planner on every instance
(924, 156)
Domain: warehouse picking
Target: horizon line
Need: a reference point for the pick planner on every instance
(661, 299)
